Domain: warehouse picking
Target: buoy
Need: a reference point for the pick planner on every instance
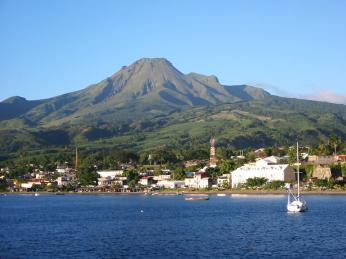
(142, 211)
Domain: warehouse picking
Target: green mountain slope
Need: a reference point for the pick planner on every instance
(255, 123)
(147, 88)
(150, 104)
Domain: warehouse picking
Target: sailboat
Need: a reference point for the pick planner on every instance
(294, 202)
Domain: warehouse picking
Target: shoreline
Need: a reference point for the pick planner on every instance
(166, 192)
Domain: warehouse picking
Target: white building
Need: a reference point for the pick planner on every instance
(280, 172)
(146, 180)
(104, 181)
(26, 185)
(110, 173)
(170, 184)
(223, 180)
(120, 181)
(64, 180)
(272, 159)
(162, 177)
(63, 169)
(109, 181)
(198, 181)
(30, 184)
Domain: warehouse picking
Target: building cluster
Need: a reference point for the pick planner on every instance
(63, 175)
(271, 168)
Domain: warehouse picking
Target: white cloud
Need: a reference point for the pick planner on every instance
(326, 96)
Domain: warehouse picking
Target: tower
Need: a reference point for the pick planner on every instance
(213, 159)
(77, 158)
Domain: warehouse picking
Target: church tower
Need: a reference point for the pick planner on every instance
(77, 158)
(213, 159)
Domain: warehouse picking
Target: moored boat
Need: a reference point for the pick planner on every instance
(298, 204)
(196, 198)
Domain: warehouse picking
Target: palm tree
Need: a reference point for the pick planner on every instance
(334, 141)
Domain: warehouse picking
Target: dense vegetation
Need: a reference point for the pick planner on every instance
(150, 105)
(250, 124)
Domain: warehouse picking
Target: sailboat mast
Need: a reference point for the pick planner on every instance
(298, 166)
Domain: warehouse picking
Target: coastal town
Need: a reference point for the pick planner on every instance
(251, 171)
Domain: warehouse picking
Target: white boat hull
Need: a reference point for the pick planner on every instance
(296, 206)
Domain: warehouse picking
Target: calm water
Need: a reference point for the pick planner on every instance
(96, 226)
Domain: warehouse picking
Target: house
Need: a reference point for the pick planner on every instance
(272, 159)
(322, 160)
(146, 180)
(64, 180)
(224, 180)
(104, 181)
(322, 172)
(166, 171)
(27, 185)
(120, 181)
(280, 172)
(191, 163)
(162, 177)
(342, 158)
(260, 152)
(190, 174)
(63, 169)
(30, 184)
(170, 184)
(198, 181)
(110, 173)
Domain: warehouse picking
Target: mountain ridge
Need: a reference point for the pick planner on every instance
(153, 84)
(150, 104)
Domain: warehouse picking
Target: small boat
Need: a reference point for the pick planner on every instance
(37, 194)
(221, 194)
(296, 204)
(197, 198)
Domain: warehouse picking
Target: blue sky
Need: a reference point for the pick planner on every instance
(291, 48)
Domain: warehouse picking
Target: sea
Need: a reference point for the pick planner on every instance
(167, 226)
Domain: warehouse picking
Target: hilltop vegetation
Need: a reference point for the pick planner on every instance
(248, 124)
(150, 105)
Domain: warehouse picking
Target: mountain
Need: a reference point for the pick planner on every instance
(15, 106)
(149, 87)
(150, 104)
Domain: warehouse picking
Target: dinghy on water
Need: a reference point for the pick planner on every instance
(197, 198)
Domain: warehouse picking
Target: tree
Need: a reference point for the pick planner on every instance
(292, 155)
(3, 185)
(227, 166)
(343, 170)
(132, 184)
(213, 172)
(334, 141)
(86, 173)
(131, 175)
(256, 182)
(275, 184)
(157, 171)
(322, 149)
(178, 174)
(251, 156)
(87, 177)
(321, 183)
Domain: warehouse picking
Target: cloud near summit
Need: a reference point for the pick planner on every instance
(327, 96)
